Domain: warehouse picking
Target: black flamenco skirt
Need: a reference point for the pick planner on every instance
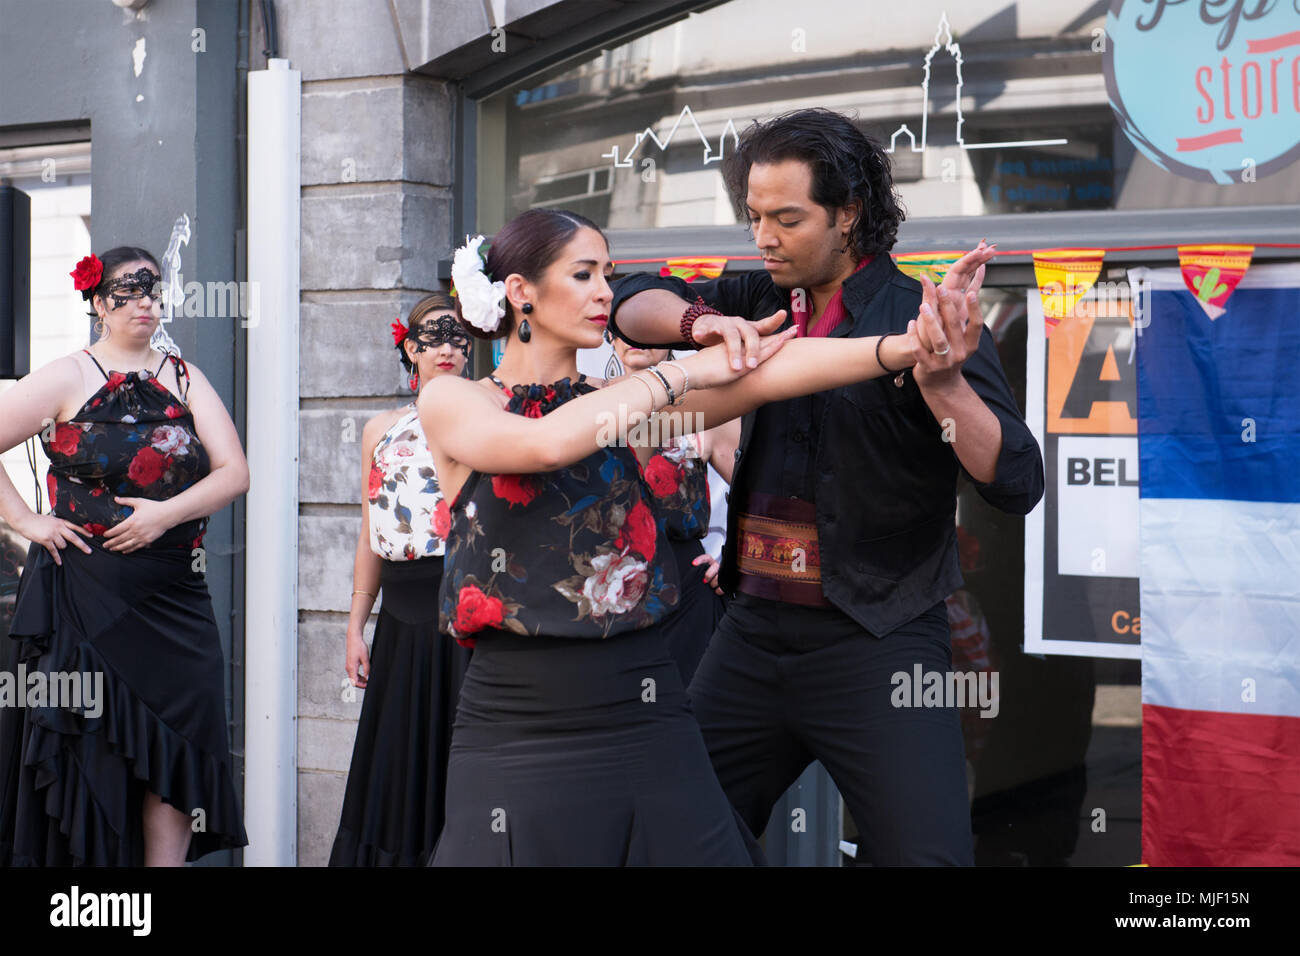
(580, 752)
(698, 613)
(139, 631)
(393, 807)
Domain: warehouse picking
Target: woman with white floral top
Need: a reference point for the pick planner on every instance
(393, 805)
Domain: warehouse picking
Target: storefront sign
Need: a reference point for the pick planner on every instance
(1207, 89)
(1081, 542)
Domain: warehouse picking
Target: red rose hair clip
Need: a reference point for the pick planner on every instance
(399, 332)
(87, 275)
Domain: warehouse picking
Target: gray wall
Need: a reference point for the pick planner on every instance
(376, 217)
(173, 151)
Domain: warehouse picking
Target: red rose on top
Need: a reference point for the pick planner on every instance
(532, 408)
(376, 483)
(476, 610)
(442, 519)
(146, 467)
(516, 489)
(174, 411)
(115, 381)
(66, 439)
(399, 332)
(662, 476)
(88, 273)
(639, 531)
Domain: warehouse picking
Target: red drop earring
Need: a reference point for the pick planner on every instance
(414, 381)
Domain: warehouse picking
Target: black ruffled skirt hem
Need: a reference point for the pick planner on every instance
(75, 789)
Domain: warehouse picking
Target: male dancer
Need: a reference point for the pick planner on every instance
(841, 539)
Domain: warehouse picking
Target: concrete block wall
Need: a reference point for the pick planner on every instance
(376, 216)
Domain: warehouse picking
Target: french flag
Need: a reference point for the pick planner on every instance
(1219, 447)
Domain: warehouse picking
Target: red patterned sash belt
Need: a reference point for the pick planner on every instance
(779, 555)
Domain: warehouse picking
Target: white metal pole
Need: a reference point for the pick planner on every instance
(271, 557)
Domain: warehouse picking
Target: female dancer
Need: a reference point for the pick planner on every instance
(574, 742)
(393, 806)
(141, 775)
(678, 476)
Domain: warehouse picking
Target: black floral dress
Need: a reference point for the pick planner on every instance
(137, 630)
(579, 552)
(574, 743)
(131, 439)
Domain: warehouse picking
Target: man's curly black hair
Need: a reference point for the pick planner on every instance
(846, 165)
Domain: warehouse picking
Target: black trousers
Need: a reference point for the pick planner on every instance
(782, 685)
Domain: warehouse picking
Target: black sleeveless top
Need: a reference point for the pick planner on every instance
(132, 439)
(579, 552)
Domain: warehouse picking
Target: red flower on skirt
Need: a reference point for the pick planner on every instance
(442, 519)
(94, 528)
(476, 610)
(639, 531)
(516, 489)
(662, 476)
(49, 486)
(376, 483)
(146, 467)
(174, 411)
(66, 439)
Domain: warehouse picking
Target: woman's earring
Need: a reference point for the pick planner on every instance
(99, 328)
(414, 381)
(525, 330)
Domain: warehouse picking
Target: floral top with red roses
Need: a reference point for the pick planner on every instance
(132, 439)
(578, 552)
(679, 478)
(409, 518)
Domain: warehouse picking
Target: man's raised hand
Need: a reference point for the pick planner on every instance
(741, 337)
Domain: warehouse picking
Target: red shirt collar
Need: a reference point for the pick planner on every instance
(830, 318)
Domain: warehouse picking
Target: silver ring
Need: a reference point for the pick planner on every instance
(946, 350)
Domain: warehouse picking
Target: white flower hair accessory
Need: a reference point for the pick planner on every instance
(482, 301)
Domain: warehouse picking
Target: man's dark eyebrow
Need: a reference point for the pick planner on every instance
(779, 212)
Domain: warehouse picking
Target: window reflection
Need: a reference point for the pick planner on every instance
(992, 107)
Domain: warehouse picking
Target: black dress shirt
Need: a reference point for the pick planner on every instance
(871, 456)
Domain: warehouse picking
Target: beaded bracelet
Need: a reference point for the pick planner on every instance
(693, 312)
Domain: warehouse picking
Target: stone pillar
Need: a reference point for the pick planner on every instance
(376, 217)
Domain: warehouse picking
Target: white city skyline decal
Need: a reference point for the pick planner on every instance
(648, 133)
(943, 39)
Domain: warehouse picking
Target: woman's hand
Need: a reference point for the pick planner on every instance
(358, 662)
(51, 533)
(714, 365)
(148, 520)
(711, 572)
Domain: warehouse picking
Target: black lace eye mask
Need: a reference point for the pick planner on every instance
(134, 285)
(434, 333)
